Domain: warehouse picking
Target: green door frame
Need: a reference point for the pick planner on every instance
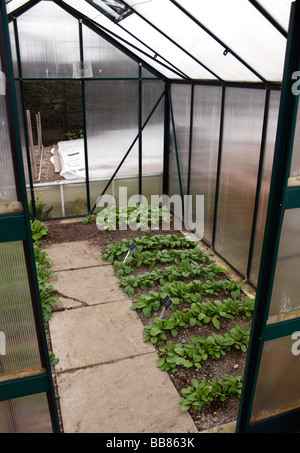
(16, 227)
(281, 198)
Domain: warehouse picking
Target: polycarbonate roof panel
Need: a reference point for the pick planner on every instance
(164, 29)
(279, 10)
(245, 30)
(168, 50)
(120, 35)
(186, 33)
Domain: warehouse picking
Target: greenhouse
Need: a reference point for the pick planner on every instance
(164, 98)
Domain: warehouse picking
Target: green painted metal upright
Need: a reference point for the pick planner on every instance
(282, 198)
(15, 227)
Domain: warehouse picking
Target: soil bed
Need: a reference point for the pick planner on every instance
(233, 363)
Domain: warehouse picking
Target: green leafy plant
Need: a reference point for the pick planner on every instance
(119, 249)
(192, 354)
(204, 393)
(49, 300)
(188, 292)
(90, 218)
(135, 217)
(186, 270)
(198, 315)
(71, 135)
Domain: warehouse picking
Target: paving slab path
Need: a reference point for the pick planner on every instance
(107, 377)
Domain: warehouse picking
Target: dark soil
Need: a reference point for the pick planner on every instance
(233, 363)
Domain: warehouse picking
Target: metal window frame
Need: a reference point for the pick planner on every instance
(16, 227)
(281, 198)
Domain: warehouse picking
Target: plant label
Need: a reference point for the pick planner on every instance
(167, 303)
(131, 248)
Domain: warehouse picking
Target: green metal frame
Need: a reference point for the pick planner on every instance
(16, 227)
(281, 198)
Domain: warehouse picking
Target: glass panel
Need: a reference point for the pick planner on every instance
(16, 316)
(189, 35)
(29, 414)
(242, 28)
(294, 179)
(285, 302)
(265, 184)
(243, 123)
(181, 102)
(107, 60)
(205, 140)
(49, 42)
(153, 134)
(48, 198)
(74, 199)
(7, 177)
(112, 126)
(277, 386)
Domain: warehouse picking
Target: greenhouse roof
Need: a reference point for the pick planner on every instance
(215, 40)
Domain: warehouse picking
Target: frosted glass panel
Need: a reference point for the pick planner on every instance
(7, 178)
(205, 140)
(181, 102)
(25, 415)
(294, 179)
(265, 184)
(286, 288)
(49, 41)
(243, 123)
(112, 126)
(277, 386)
(107, 60)
(16, 315)
(153, 134)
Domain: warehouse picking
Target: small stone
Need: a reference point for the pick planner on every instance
(235, 366)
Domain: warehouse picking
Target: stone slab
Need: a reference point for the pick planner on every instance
(129, 396)
(67, 304)
(96, 334)
(93, 285)
(74, 255)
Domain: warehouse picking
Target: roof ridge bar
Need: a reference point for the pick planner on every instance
(174, 42)
(227, 48)
(110, 37)
(269, 17)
